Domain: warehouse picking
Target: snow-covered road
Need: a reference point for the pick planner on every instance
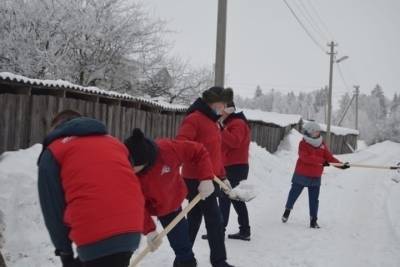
(359, 215)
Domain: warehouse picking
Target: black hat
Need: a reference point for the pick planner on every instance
(217, 94)
(143, 151)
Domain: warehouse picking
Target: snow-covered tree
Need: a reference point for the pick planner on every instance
(84, 41)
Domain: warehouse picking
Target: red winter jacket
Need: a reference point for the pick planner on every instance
(201, 126)
(311, 160)
(102, 194)
(235, 140)
(163, 186)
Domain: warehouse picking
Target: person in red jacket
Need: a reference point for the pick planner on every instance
(314, 155)
(201, 125)
(89, 194)
(158, 163)
(235, 154)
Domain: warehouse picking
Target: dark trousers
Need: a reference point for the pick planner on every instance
(313, 198)
(235, 175)
(179, 237)
(213, 219)
(115, 260)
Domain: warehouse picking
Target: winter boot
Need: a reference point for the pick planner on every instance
(285, 215)
(240, 236)
(314, 224)
(187, 263)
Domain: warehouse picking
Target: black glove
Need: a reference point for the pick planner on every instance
(326, 164)
(68, 260)
(346, 165)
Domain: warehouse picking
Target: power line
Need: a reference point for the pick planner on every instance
(304, 27)
(313, 22)
(342, 76)
(326, 28)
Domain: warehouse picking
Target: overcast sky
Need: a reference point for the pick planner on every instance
(267, 47)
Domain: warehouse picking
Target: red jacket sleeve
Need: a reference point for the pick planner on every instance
(305, 156)
(149, 225)
(234, 133)
(187, 130)
(195, 154)
(329, 157)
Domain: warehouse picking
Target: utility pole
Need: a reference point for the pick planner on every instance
(326, 105)
(332, 54)
(346, 109)
(221, 43)
(357, 93)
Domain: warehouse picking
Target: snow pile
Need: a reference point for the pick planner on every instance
(2, 229)
(359, 214)
(26, 240)
(279, 119)
(361, 145)
(91, 89)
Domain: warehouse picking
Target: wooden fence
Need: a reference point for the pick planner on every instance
(26, 111)
(340, 144)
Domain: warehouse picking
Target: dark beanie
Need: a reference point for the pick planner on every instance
(142, 150)
(217, 94)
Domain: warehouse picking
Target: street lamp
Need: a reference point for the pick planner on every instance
(342, 59)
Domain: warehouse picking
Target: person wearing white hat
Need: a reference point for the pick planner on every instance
(314, 155)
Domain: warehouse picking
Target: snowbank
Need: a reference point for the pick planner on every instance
(279, 119)
(7, 76)
(26, 240)
(359, 214)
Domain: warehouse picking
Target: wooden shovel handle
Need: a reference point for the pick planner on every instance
(367, 166)
(167, 229)
(222, 184)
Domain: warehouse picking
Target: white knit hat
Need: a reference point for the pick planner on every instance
(311, 127)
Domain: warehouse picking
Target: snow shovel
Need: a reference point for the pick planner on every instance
(369, 166)
(394, 179)
(168, 229)
(244, 193)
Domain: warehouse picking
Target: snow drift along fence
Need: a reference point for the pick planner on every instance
(27, 107)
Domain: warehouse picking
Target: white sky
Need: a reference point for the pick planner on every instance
(266, 46)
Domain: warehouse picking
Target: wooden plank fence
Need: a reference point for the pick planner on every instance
(26, 111)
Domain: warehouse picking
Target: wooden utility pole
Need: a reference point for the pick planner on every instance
(345, 110)
(332, 54)
(357, 93)
(221, 43)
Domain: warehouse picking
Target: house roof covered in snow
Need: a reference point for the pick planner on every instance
(337, 130)
(279, 119)
(61, 84)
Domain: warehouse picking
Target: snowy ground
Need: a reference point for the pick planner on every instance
(359, 214)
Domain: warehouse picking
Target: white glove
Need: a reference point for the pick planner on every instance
(206, 188)
(152, 242)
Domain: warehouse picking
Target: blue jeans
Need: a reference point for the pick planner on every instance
(236, 174)
(179, 237)
(313, 197)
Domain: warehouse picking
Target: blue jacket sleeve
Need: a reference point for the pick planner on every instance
(52, 201)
